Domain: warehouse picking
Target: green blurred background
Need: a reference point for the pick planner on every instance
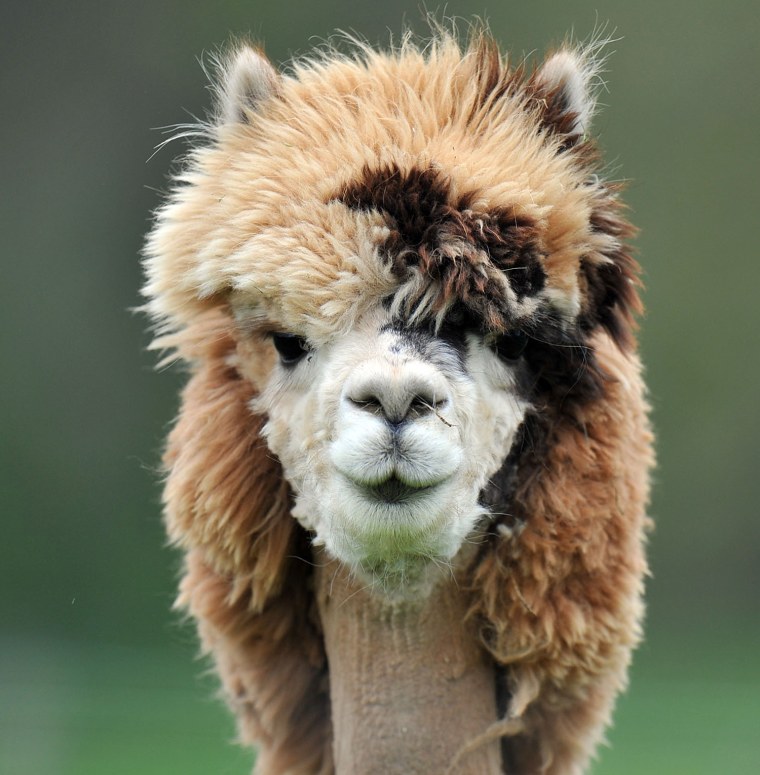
(96, 674)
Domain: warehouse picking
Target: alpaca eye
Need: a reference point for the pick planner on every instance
(511, 346)
(290, 347)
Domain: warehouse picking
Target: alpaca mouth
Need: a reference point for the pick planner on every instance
(393, 490)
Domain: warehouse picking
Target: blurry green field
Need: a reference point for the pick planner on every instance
(67, 710)
(693, 709)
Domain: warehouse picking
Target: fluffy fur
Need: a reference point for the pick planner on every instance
(426, 214)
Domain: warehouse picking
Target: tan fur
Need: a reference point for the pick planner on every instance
(255, 239)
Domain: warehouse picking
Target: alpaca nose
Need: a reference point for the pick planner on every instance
(398, 395)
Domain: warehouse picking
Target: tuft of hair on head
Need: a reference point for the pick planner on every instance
(246, 79)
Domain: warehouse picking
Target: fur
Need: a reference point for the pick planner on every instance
(407, 212)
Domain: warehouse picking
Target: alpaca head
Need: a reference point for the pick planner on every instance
(411, 254)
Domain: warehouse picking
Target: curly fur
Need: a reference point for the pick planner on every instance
(455, 191)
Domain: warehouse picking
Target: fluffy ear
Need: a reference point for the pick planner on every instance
(563, 86)
(247, 80)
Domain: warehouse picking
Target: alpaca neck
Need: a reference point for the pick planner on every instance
(410, 684)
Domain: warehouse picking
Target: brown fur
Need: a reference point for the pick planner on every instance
(561, 605)
(248, 565)
(384, 212)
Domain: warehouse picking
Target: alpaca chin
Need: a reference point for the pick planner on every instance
(402, 545)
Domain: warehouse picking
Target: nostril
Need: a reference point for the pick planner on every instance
(389, 410)
(423, 404)
(368, 403)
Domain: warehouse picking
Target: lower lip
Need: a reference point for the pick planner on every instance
(395, 492)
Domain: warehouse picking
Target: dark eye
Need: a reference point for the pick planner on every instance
(511, 346)
(291, 348)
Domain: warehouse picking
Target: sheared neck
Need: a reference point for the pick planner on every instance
(410, 683)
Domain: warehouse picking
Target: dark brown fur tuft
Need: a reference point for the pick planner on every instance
(467, 254)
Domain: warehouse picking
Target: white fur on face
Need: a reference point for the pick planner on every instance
(387, 438)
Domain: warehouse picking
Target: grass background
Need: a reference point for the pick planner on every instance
(96, 674)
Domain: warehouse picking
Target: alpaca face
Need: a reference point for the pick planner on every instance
(387, 436)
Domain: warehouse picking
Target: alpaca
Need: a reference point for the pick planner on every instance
(410, 470)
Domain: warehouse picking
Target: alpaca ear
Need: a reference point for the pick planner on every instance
(247, 80)
(563, 86)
